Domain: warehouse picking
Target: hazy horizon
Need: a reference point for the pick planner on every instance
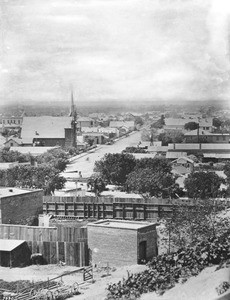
(114, 50)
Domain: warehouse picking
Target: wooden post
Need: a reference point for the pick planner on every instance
(84, 210)
(134, 211)
(65, 209)
(93, 210)
(56, 209)
(89, 210)
(47, 208)
(103, 207)
(123, 211)
(144, 211)
(74, 209)
(114, 210)
(98, 210)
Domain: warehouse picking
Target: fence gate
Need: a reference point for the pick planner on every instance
(88, 273)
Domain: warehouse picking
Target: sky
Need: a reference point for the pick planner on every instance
(112, 50)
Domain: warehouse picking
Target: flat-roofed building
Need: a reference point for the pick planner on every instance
(120, 242)
(16, 205)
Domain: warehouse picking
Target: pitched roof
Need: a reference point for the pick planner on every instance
(9, 245)
(21, 141)
(184, 158)
(173, 155)
(45, 127)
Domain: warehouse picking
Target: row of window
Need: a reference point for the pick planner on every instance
(213, 138)
(10, 121)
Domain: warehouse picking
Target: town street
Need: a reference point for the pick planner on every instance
(85, 162)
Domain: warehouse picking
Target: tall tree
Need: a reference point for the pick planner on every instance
(114, 168)
(96, 184)
(57, 158)
(41, 177)
(203, 185)
(173, 136)
(7, 155)
(156, 164)
(191, 126)
(149, 182)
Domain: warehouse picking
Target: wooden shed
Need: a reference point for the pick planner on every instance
(14, 253)
(120, 242)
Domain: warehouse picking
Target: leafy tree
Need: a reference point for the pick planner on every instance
(227, 173)
(172, 136)
(72, 151)
(203, 185)
(148, 135)
(155, 164)
(57, 158)
(7, 155)
(96, 184)
(217, 122)
(159, 123)
(139, 121)
(114, 168)
(153, 177)
(41, 177)
(134, 150)
(89, 140)
(150, 182)
(191, 126)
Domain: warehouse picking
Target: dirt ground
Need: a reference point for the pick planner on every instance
(201, 287)
(95, 291)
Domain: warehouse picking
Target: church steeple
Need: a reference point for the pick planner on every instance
(72, 106)
(73, 114)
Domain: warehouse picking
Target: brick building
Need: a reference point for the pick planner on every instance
(121, 243)
(16, 205)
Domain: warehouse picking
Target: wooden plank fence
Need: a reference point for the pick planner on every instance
(128, 210)
(67, 244)
(112, 207)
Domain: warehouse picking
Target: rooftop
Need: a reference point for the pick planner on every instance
(20, 141)
(173, 155)
(45, 127)
(181, 122)
(9, 245)
(12, 191)
(205, 132)
(121, 224)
